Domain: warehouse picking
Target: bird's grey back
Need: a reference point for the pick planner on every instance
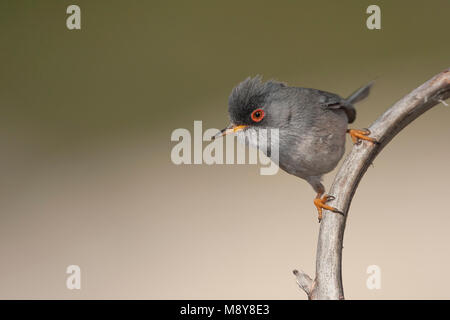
(304, 105)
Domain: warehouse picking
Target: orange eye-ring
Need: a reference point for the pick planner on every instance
(257, 115)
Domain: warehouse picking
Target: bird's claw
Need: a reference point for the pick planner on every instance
(359, 135)
(320, 203)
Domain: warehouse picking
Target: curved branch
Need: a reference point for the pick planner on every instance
(328, 281)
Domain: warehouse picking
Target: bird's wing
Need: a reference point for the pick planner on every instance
(330, 100)
(333, 101)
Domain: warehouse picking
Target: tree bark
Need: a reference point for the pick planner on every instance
(328, 281)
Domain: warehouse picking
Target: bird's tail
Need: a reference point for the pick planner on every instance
(355, 97)
(360, 94)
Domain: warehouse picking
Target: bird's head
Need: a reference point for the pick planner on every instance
(250, 105)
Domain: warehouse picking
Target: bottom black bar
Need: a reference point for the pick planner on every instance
(223, 309)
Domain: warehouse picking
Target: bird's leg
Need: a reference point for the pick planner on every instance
(358, 135)
(320, 203)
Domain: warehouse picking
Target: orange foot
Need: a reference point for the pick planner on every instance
(320, 204)
(358, 135)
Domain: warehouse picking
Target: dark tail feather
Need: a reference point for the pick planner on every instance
(355, 97)
(360, 94)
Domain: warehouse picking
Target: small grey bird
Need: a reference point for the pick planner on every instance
(312, 126)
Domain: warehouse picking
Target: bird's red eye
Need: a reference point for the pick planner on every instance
(258, 115)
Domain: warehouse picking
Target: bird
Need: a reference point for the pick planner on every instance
(312, 127)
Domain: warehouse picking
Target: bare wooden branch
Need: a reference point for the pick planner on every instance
(304, 281)
(328, 280)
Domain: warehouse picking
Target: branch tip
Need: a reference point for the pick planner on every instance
(304, 281)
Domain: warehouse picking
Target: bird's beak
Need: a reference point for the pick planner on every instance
(230, 129)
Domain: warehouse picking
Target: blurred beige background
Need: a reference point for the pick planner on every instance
(86, 176)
